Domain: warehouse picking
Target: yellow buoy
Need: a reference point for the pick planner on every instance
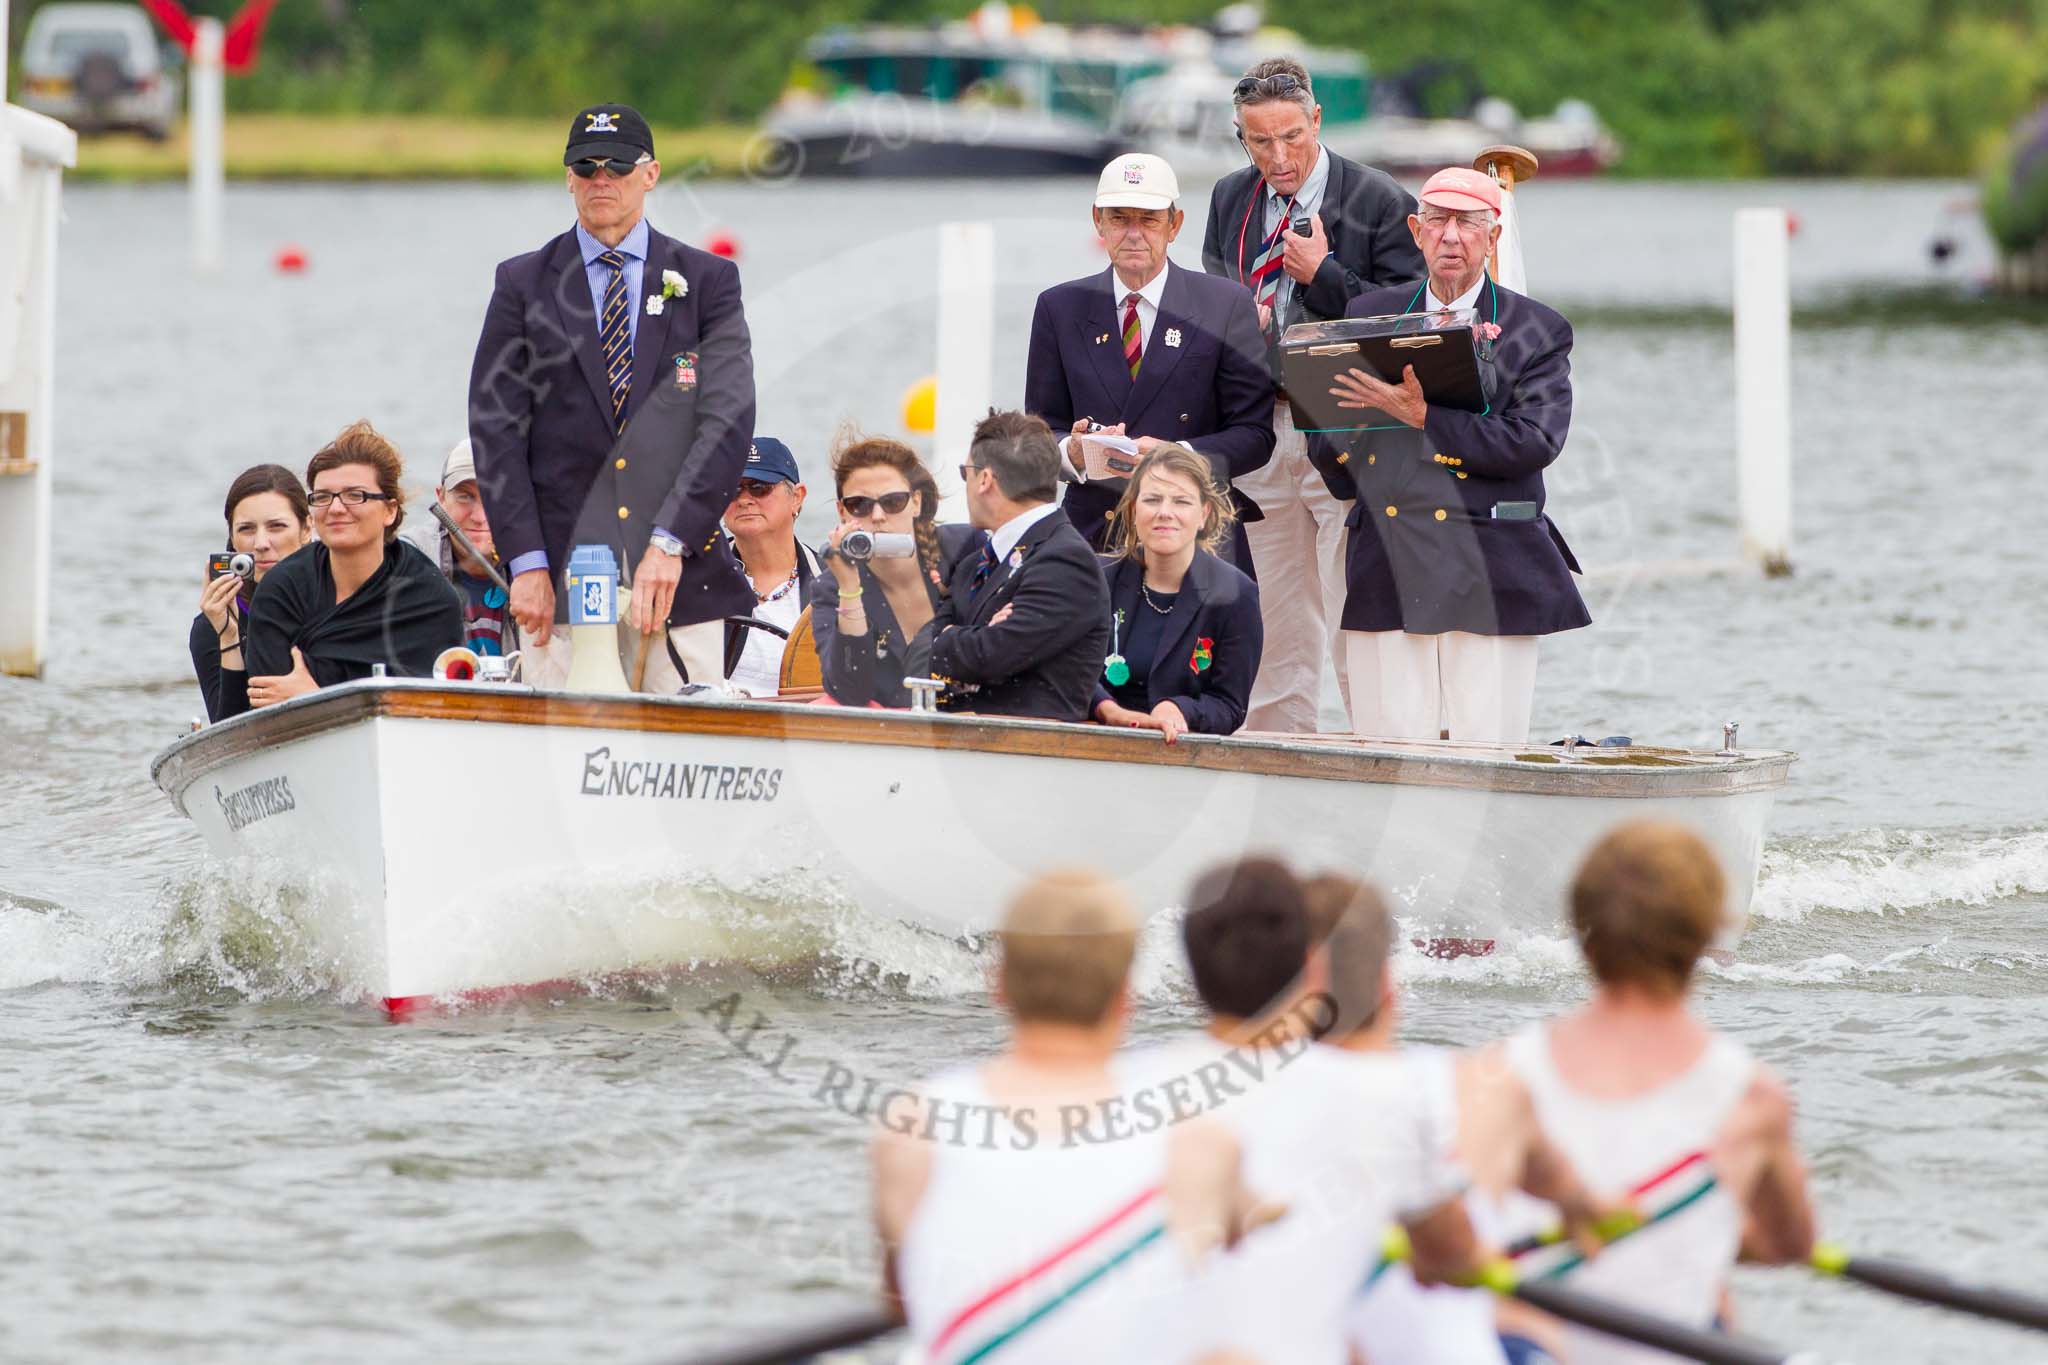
(921, 405)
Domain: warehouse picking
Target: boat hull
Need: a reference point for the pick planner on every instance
(467, 838)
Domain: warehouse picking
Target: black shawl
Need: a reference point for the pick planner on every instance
(403, 617)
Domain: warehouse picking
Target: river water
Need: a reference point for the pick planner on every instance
(213, 1151)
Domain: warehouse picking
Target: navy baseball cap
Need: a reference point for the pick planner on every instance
(608, 130)
(769, 461)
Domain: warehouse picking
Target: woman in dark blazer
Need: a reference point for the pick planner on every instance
(1185, 631)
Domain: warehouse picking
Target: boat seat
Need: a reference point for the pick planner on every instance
(800, 666)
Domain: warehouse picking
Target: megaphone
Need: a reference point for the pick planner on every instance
(457, 663)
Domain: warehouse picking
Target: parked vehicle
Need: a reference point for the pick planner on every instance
(98, 68)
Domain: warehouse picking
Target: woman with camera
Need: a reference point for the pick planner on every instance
(267, 520)
(887, 558)
(1185, 631)
(357, 597)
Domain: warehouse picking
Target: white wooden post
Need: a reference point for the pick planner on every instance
(207, 112)
(1763, 388)
(34, 152)
(966, 360)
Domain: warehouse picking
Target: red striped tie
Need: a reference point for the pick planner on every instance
(1265, 277)
(1134, 344)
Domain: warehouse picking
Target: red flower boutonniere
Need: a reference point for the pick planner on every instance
(1489, 331)
(1203, 655)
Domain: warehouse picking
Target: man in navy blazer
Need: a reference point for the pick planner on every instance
(1025, 620)
(1149, 351)
(1306, 231)
(1453, 569)
(611, 402)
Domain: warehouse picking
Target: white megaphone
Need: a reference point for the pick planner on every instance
(593, 587)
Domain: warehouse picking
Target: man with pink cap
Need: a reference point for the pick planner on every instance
(1452, 569)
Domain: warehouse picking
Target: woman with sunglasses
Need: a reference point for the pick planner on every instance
(267, 520)
(865, 614)
(1185, 633)
(359, 596)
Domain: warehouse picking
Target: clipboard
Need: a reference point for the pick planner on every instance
(1439, 344)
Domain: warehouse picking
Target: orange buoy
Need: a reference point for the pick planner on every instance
(290, 259)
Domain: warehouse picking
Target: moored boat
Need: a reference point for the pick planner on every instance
(460, 835)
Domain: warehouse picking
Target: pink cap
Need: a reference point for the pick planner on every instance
(1460, 188)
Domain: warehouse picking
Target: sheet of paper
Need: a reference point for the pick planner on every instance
(1108, 457)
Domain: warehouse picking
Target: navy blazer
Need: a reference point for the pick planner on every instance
(1426, 552)
(1365, 217)
(1202, 381)
(1043, 660)
(1217, 603)
(553, 474)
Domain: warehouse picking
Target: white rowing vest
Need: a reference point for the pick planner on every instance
(1400, 1320)
(1675, 1268)
(1026, 1247)
(1339, 1139)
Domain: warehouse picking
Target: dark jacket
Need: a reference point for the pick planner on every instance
(403, 617)
(808, 571)
(1365, 217)
(1426, 552)
(872, 667)
(205, 645)
(1215, 603)
(552, 473)
(1202, 381)
(1043, 660)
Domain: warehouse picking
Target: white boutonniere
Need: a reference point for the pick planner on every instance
(673, 285)
(1173, 336)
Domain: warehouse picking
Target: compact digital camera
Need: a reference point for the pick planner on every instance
(224, 562)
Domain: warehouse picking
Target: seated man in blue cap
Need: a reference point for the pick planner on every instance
(760, 528)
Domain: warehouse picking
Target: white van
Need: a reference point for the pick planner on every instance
(98, 68)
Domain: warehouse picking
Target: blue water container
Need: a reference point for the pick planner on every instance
(593, 585)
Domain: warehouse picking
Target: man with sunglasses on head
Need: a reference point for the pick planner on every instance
(1453, 571)
(611, 402)
(1306, 231)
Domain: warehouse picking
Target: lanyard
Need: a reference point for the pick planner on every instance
(1258, 197)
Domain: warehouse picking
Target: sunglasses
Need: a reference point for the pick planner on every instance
(589, 166)
(1278, 84)
(860, 505)
(754, 488)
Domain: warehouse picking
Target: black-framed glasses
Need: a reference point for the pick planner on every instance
(967, 469)
(860, 505)
(350, 497)
(1279, 85)
(618, 166)
(754, 488)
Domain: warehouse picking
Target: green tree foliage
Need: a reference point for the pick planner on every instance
(1691, 87)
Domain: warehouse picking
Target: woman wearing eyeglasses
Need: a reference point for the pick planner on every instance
(1185, 636)
(359, 596)
(865, 614)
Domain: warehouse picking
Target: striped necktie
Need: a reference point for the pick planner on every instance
(1266, 271)
(615, 332)
(983, 567)
(1134, 341)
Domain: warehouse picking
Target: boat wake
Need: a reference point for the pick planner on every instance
(253, 930)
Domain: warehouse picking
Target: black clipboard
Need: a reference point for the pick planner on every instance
(1439, 344)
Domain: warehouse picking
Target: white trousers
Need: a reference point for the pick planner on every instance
(1298, 551)
(701, 646)
(1476, 687)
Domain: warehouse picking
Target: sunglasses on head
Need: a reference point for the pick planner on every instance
(1280, 83)
(618, 166)
(860, 505)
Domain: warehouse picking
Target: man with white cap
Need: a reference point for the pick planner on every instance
(487, 625)
(1452, 570)
(1148, 351)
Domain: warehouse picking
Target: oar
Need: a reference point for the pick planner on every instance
(1931, 1286)
(801, 1343)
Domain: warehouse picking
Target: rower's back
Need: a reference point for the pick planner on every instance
(1649, 1104)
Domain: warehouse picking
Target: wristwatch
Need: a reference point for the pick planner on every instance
(665, 543)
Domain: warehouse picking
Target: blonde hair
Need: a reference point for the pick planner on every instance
(1067, 945)
(1646, 904)
(1218, 516)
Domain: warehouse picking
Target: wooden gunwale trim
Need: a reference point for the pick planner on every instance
(184, 762)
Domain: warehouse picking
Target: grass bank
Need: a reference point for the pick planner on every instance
(396, 147)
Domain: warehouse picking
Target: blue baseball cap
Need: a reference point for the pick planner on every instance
(769, 461)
